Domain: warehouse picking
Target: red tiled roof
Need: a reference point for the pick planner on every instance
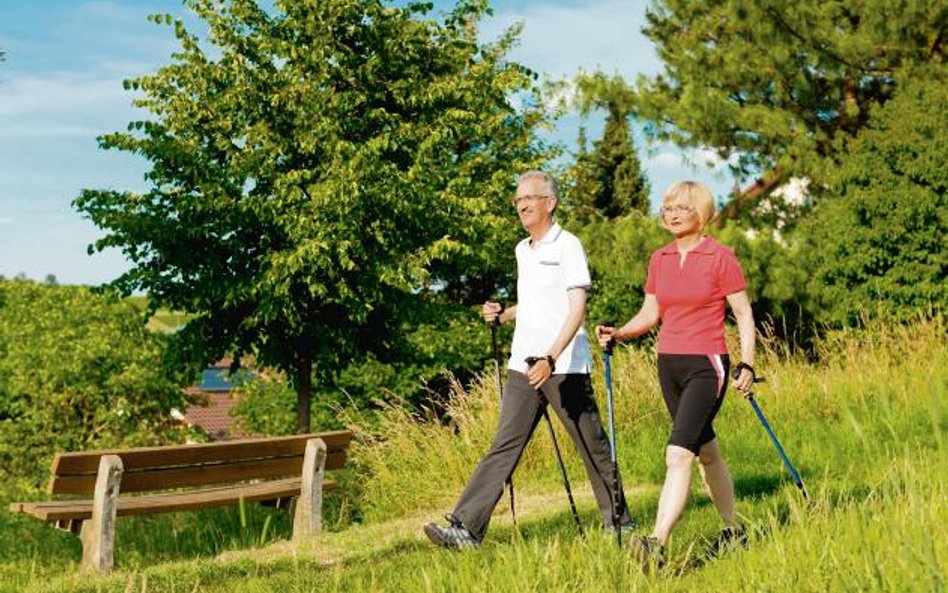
(210, 410)
(750, 193)
(213, 418)
(225, 363)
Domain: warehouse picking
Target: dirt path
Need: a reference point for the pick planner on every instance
(359, 541)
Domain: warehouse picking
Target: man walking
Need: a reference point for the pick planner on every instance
(552, 280)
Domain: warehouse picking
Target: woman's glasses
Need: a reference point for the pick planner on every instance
(677, 209)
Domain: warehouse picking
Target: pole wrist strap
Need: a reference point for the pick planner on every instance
(743, 365)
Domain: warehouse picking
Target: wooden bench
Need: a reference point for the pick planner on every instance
(176, 478)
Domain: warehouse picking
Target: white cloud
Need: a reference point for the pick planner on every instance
(62, 105)
(665, 159)
(561, 40)
(48, 129)
(709, 159)
(668, 164)
(703, 159)
(59, 93)
(112, 11)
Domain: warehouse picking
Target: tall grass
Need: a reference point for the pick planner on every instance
(865, 426)
(871, 390)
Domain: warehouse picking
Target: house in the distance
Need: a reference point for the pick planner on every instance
(211, 400)
(776, 201)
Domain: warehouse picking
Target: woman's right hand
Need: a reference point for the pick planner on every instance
(606, 335)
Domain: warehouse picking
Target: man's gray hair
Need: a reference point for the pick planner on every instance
(546, 178)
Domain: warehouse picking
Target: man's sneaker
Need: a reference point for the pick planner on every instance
(647, 550)
(455, 536)
(730, 539)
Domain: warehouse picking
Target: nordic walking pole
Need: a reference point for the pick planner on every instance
(500, 396)
(773, 437)
(531, 360)
(607, 357)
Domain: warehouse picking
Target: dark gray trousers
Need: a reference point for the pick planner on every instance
(570, 396)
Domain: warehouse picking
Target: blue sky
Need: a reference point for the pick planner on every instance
(61, 87)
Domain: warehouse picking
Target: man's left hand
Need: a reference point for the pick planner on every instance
(539, 372)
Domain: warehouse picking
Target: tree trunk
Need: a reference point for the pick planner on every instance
(304, 391)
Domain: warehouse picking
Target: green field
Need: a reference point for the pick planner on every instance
(163, 320)
(865, 424)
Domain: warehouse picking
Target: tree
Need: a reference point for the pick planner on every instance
(779, 85)
(319, 171)
(777, 274)
(618, 252)
(78, 370)
(608, 180)
(878, 237)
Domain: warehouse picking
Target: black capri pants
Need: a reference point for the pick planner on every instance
(693, 386)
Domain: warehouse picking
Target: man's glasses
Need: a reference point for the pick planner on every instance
(528, 198)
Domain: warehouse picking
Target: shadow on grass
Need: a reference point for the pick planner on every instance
(758, 484)
(561, 524)
(755, 486)
(145, 540)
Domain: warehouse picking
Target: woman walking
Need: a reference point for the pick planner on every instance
(689, 281)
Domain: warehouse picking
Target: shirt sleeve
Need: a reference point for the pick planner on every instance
(651, 280)
(575, 268)
(730, 277)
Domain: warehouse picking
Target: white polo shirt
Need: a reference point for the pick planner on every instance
(545, 272)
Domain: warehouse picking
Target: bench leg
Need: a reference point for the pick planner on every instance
(308, 517)
(98, 533)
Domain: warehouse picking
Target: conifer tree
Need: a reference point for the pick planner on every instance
(773, 84)
(608, 180)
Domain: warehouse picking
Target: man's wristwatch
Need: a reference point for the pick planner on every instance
(551, 361)
(532, 360)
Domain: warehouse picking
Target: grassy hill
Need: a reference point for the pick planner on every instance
(865, 425)
(163, 320)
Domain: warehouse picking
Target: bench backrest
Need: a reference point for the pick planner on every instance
(182, 466)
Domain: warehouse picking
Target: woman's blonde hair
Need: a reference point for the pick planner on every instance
(695, 193)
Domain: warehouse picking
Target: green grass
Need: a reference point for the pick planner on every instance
(164, 320)
(865, 426)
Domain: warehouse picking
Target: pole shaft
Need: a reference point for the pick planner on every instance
(773, 437)
(612, 448)
(612, 419)
(559, 461)
(500, 398)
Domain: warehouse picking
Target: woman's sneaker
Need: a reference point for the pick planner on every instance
(649, 551)
(455, 536)
(730, 539)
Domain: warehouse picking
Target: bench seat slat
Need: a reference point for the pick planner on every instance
(87, 462)
(199, 475)
(52, 511)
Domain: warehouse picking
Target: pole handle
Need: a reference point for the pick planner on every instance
(496, 321)
(736, 372)
(611, 344)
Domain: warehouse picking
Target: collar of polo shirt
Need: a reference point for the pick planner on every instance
(550, 235)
